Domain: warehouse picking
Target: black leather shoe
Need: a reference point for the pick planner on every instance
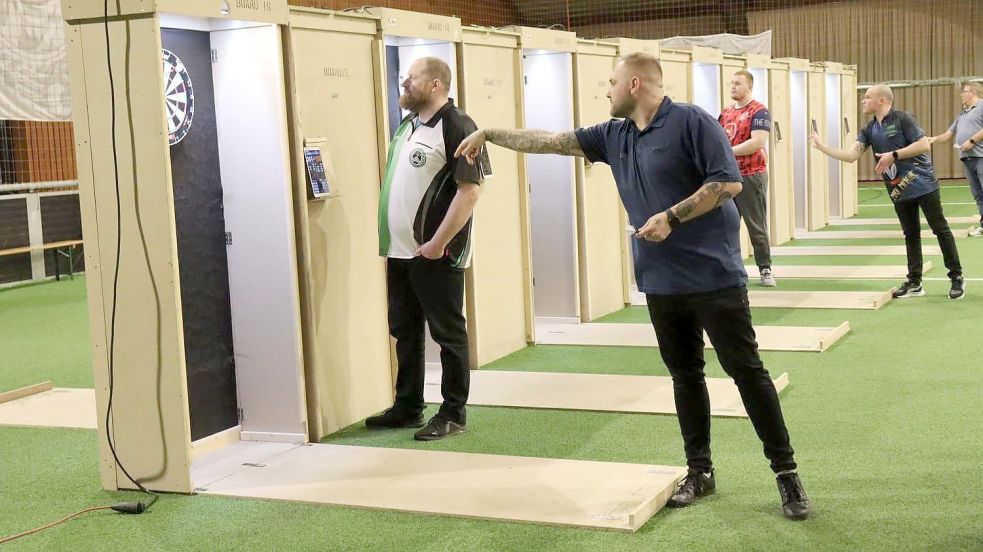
(692, 487)
(438, 428)
(795, 503)
(958, 289)
(394, 419)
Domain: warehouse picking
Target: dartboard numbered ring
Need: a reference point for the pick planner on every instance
(179, 97)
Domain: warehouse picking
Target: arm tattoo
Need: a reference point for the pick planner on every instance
(689, 208)
(536, 141)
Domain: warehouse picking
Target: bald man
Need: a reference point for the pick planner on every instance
(967, 129)
(676, 174)
(425, 233)
(901, 150)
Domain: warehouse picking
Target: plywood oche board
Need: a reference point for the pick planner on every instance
(15, 394)
(58, 407)
(849, 250)
(770, 338)
(813, 272)
(868, 234)
(597, 495)
(856, 300)
(590, 392)
(894, 221)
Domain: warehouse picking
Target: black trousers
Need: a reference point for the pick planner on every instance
(725, 314)
(931, 205)
(422, 290)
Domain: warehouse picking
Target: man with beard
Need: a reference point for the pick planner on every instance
(425, 210)
(676, 172)
(901, 149)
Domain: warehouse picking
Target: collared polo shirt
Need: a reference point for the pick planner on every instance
(966, 125)
(907, 178)
(421, 182)
(681, 149)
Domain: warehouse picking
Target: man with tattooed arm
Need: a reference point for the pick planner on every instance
(676, 174)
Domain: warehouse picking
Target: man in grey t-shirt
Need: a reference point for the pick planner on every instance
(968, 131)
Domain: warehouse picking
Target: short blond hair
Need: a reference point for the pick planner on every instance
(747, 75)
(974, 87)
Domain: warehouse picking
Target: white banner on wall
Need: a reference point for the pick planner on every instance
(729, 43)
(33, 61)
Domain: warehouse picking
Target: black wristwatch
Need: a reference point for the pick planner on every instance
(673, 219)
(895, 154)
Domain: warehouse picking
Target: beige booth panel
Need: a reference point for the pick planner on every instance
(818, 184)
(632, 45)
(780, 208)
(349, 375)
(850, 193)
(267, 11)
(601, 228)
(150, 421)
(676, 75)
(499, 304)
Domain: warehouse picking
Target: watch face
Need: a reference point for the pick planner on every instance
(179, 97)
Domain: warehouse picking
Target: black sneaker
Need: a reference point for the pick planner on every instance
(394, 419)
(692, 487)
(958, 289)
(795, 503)
(438, 428)
(909, 289)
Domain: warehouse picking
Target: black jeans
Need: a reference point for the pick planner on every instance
(421, 290)
(679, 322)
(931, 205)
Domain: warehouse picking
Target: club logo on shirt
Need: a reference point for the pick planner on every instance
(731, 130)
(418, 158)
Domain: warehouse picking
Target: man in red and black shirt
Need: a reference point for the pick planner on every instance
(747, 124)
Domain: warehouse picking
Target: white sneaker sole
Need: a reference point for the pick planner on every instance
(912, 294)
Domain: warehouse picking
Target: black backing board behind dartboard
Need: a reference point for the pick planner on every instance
(200, 220)
(395, 89)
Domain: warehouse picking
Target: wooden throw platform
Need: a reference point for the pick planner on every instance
(597, 495)
(849, 250)
(854, 300)
(865, 234)
(590, 392)
(770, 338)
(58, 407)
(894, 221)
(823, 272)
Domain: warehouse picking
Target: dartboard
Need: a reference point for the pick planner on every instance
(179, 97)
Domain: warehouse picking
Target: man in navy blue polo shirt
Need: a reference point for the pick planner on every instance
(676, 173)
(901, 149)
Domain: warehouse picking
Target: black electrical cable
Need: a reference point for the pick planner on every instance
(123, 507)
(132, 507)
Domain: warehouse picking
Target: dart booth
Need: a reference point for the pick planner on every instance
(199, 342)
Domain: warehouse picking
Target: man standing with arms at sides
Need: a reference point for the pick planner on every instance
(747, 124)
(968, 130)
(676, 173)
(901, 149)
(425, 232)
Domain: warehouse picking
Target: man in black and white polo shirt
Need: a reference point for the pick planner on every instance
(425, 210)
